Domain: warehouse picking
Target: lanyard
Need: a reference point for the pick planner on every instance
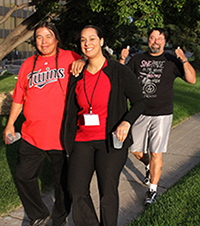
(90, 102)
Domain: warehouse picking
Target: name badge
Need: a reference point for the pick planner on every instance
(91, 119)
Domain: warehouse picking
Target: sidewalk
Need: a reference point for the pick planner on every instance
(183, 154)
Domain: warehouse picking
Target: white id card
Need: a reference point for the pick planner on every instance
(91, 119)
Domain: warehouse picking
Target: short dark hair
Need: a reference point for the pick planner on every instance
(161, 30)
(51, 27)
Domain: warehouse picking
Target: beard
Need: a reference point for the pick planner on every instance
(154, 50)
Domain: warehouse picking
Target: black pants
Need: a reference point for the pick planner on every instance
(87, 157)
(29, 166)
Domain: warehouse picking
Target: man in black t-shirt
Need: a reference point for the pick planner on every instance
(156, 71)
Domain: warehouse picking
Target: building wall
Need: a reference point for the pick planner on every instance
(24, 50)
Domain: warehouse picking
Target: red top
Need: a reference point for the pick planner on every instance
(99, 104)
(44, 101)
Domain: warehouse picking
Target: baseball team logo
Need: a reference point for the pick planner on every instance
(40, 79)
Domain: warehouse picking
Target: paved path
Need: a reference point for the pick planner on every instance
(183, 154)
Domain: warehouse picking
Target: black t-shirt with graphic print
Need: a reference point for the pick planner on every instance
(156, 75)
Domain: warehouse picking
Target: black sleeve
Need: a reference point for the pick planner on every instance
(130, 63)
(178, 66)
(133, 92)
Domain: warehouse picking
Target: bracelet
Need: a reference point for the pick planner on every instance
(122, 58)
(185, 61)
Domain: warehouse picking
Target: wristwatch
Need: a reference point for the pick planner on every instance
(185, 61)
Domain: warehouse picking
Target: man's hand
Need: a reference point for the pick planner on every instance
(77, 67)
(8, 130)
(180, 54)
(16, 109)
(190, 73)
(124, 54)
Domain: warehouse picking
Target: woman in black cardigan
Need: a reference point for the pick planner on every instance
(96, 107)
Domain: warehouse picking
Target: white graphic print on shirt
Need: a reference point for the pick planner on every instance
(40, 79)
(150, 76)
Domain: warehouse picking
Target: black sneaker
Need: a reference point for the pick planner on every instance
(147, 177)
(150, 197)
(39, 222)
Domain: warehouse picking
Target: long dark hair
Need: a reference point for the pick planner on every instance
(97, 29)
(100, 35)
(51, 27)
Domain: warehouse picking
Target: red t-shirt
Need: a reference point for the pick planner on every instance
(99, 104)
(44, 100)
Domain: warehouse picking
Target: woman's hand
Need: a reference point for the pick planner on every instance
(180, 54)
(122, 130)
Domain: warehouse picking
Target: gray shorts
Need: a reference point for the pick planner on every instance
(151, 133)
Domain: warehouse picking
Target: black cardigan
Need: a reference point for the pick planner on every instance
(124, 85)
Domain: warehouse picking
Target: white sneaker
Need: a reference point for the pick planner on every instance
(150, 197)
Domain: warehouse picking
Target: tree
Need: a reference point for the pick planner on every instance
(45, 9)
(123, 22)
(184, 27)
(116, 36)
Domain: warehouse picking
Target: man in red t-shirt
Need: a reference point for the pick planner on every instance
(41, 92)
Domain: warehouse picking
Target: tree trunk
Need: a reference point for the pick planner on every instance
(20, 34)
(25, 30)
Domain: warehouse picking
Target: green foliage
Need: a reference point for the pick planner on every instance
(125, 22)
(48, 6)
(184, 26)
(184, 14)
(146, 13)
(115, 36)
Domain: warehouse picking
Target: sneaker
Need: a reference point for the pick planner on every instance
(150, 197)
(147, 178)
(39, 222)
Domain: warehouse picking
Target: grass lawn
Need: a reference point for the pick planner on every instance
(177, 201)
(7, 83)
(179, 206)
(8, 157)
(186, 100)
